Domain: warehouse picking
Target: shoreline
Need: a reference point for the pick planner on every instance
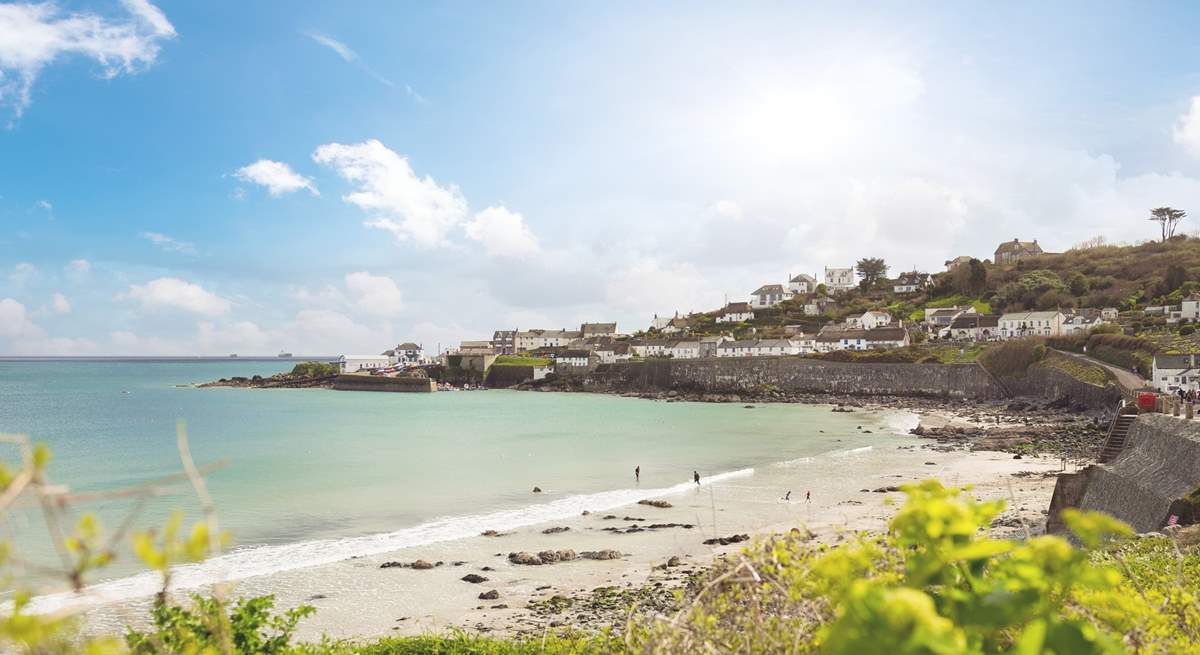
(360, 597)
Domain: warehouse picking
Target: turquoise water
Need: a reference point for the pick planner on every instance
(321, 466)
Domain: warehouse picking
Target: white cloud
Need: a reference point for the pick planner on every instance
(333, 44)
(44, 204)
(22, 273)
(79, 267)
(326, 332)
(407, 206)
(60, 304)
(374, 294)
(32, 36)
(277, 177)
(19, 335)
(503, 233)
(174, 293)
(169, 244)
(650, 284)
(1187, 128)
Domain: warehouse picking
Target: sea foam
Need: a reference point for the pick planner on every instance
(252, 561)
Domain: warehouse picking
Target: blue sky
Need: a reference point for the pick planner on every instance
(206, 178)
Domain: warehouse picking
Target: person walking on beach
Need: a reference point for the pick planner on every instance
(637, 473)
(788, 497)
(808, 496)
(696, 476)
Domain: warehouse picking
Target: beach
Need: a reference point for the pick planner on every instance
(380, 594)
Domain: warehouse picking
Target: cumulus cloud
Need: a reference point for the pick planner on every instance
(19, 335)
(32, 36)
(326, 331)
(1187, 128)
(168, 243)
(174, 293)
(79, 267)
(374, 294)
(278, 178)
(60, 304)
(411, 208)
(503, 233)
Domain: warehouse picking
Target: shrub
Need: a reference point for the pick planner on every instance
(1013, 358)
(210, 625)
(315, 369)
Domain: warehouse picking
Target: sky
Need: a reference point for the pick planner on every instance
(183, 178)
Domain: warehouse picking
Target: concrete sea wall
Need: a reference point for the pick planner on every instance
(382, 383)
(1147, 483)
(800, 375)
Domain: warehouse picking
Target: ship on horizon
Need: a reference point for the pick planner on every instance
(283, 355)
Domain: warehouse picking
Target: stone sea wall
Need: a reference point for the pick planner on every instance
(1147, 483)
(799, 375)
(1052, 384)
(382, 383)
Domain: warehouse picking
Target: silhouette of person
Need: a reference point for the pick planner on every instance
(696, 476)
(637, 473)
(788, 496)
(808, 496)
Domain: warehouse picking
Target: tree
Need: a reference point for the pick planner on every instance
(1079, 284)
(970, 278)
(871, 270)
(1174, 279)
(1168, 219)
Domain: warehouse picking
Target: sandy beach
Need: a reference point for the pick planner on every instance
(358, 598)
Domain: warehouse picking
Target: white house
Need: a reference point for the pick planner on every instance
(409, 353)
(658, 323)
(741, 348)
(886, 337)
(839, 278)
(832, 338)
(769, 295)
(651, 347)
(775, 347)
(355, 363)
(617, 351)
(975, 327)
(476, 348)
(911, 282)
(1186, 311)
(1171, 372)
(1031, 324)
(675, 326)
(1110, 313)
(528, 340)
(869, 320)
(574, 360)
(735, 312)
(684, 350)
(802, 283)
(1081, 322)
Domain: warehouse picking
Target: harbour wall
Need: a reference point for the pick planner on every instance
(1151, 480)
(799, 375)
(384, 383)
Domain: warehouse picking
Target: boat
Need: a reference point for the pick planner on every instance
(283, 355)
(233, 356)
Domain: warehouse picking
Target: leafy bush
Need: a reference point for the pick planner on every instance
(1013, 358)
(210, 625)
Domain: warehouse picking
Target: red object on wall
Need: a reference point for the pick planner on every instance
(1146, 401)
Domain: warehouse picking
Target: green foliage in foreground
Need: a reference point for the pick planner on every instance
(315, 369)
(462, 644)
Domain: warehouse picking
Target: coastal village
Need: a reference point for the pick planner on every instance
(859, 309)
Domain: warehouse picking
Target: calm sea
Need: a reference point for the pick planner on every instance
(319, 475)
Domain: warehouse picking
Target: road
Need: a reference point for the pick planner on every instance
(1126, 378)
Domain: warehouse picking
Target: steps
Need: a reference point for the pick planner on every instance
(1117, 435)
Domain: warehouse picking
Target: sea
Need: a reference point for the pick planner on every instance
(312, 477)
